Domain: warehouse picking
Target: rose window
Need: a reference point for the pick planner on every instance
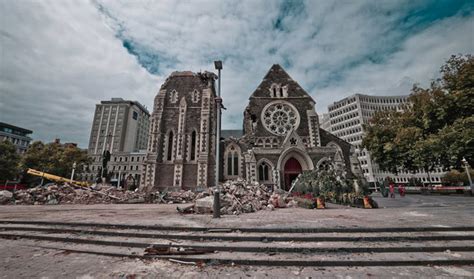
(279, 118)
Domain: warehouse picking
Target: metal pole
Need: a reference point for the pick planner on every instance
(73, 169)
(118, 180)
(466, 166)
(217, 206)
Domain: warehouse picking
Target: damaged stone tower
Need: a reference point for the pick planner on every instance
(181, 144)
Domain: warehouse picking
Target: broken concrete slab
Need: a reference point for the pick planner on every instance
(5, 196)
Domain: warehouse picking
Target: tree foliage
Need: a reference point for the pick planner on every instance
(9, 161)
(456, 178)
(55, 158)
(435, 129)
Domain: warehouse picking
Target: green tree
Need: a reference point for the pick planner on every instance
(55, 158)
(9, 161)
(456, 178)
(435, 129)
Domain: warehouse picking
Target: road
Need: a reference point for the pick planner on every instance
(420, 201)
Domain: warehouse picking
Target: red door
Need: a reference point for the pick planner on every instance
(291, 171)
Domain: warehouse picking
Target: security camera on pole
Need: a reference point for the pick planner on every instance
(217, 204)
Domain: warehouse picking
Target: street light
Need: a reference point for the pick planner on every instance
(466, 165)
(217, 203)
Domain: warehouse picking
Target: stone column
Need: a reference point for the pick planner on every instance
(154, 139)
(313, 123)
(203, 158)
(180, 138)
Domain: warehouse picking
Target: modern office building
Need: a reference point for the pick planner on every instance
(325, 122)
(346, 120)
(17, 135)
(121, 127)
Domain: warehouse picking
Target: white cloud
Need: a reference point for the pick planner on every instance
(59, 59)
(57, 62)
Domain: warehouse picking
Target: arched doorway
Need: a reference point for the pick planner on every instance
(291, 171)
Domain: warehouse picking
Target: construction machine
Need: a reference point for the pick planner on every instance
(56, 178)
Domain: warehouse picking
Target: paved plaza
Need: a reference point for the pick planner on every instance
(36, 259)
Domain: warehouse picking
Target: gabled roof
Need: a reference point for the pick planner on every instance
(278, 75)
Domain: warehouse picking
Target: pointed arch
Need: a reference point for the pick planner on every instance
(232, 159)
(193, 146)
(335, 145)
(169, 145)
(324, 163)
(174, 96)
(265, 169)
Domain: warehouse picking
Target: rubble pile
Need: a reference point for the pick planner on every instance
(182, 196)
(67, 194)
(237, 196)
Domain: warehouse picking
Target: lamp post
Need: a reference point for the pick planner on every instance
(217, 204)
(466, 165)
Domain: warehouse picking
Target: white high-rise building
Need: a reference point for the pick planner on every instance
(121, 127)
(325, 122)
(346, 119)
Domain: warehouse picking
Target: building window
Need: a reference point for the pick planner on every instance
(169, 151)
(195, 96)
(135, 115)
(232, 161)
(280, 117)
(263, 172)
(326, 165)
(174, 96)
(193, 146)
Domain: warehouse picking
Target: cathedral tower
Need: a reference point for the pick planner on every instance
(181, 144)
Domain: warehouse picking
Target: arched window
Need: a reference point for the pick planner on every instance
(325, 165)
(232, 167)
(193, 146)
(263, 172)
(174, 96)
(195, 96)
(169, 150)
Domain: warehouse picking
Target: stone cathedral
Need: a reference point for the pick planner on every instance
(280, 138)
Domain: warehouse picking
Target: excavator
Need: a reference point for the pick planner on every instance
(56, 178)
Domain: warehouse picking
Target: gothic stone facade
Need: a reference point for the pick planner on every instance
(181, 144)
(281, 136)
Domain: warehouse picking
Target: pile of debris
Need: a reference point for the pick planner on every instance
(236, 197)
(68, 194)
(71, 194)
(182, 196)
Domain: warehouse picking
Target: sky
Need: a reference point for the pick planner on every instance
(60, 58)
